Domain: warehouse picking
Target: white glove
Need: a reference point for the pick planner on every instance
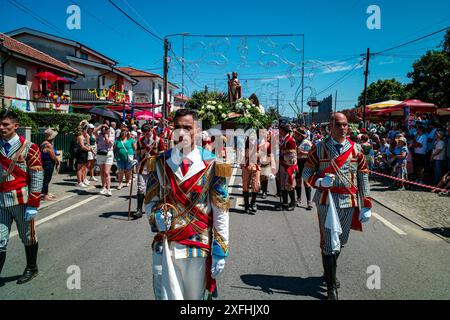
(218, 263)
(326, 182)
(271, 177)
(161, 218)
(365, 215)
(30, 213)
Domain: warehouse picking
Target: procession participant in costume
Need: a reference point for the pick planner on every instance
(187, 202)
(288, 167)
(304, 146)
(274, 131)
(163, 132)
(336, 167)
(266, 168)
(21, 180)
(147, 146)
(251, 171)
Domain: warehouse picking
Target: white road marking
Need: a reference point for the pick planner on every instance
(231, 183)
(388, 224)
(58, 213)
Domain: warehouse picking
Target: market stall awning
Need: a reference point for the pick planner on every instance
(443, 112)
(146, 105)
(413, 105)
(147, 115)
(378, 106)
(384, 104)
(119, 108)
(417, 105)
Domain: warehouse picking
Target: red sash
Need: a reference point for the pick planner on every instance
(20, 176)
(340, 161)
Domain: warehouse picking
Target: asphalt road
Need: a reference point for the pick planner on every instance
(273, 255)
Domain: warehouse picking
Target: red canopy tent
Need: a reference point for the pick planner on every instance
(119, 107)
(147, 115)
(413, 105)
(146, 105)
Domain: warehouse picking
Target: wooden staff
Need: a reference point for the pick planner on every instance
(131, 192)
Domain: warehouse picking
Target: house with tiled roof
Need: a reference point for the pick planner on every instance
(102, 84)
(149, 89)
(33, 80)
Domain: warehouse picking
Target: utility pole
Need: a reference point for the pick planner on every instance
(278, 104)
(166, 70)
(303, 69)
(335, 101)
(366, 74)
(182, 71)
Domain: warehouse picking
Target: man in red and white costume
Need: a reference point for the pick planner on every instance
(21, 180)
(288, 167)
(149, 145)
(187, 202)
(163, 132)
(337, 165)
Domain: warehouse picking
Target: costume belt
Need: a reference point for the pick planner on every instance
(16, 184)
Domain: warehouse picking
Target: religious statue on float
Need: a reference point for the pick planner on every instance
(234, 88)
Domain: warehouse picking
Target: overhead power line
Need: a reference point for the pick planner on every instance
(28, 11)
(136, 22)
(142, 18)
(412, 41)
(339, 80)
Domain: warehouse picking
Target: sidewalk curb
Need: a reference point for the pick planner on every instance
(411, 220)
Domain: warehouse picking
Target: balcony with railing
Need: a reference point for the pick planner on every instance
(99, 96)
(51, 100)
(86, 95)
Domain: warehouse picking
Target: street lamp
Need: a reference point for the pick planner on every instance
(313, 103)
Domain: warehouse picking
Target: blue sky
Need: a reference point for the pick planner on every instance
(335, 34)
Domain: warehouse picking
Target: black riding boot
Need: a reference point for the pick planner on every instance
(140, 202)
(277, 183)
(329, 262)
(338, 283)
(292, 203)
(264, 186)
(284, 201)
(299, 195)
(31, 270)
(253, 203)
(308, 197)
(246, 202)
(2, 262)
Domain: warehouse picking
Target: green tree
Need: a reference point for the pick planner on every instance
(431, 78)
(383, 90)
(446, 42)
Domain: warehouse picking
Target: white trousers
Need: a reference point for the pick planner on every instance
(190, 274)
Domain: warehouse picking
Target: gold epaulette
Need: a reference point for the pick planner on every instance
(151, 164)
(223, 169)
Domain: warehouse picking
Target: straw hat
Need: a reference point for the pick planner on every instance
(50, 134)
(402, 139)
